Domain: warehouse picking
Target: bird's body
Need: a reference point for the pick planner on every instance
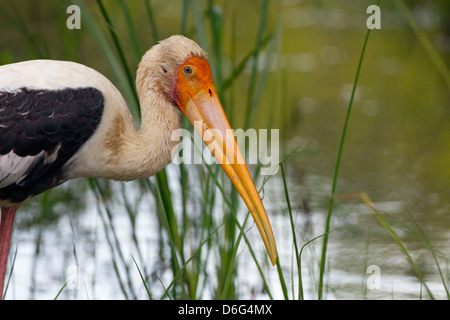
(56, 124)
(62, 120)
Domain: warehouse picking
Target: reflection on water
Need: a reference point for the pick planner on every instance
(397, 150)
(76, 250)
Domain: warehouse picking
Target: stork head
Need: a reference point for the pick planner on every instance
(177, 69)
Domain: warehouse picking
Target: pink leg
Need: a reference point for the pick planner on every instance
(6, 227)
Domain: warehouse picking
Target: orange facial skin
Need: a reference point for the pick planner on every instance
(189, 83)
(196, 96)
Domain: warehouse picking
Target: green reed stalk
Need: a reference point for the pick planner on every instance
(433, 252)
(336, 170)
(291, 219)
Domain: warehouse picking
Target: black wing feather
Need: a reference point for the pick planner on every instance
(32, 121)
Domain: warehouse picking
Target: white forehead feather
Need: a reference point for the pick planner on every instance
(159, 65)
(172, 52)
(181, 48)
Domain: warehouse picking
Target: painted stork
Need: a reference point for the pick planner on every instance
(61, 120)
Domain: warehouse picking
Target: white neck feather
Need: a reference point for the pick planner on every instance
(119, 151)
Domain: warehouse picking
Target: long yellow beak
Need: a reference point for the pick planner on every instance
(200, 103)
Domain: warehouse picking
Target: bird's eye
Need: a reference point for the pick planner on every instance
(188, 70)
